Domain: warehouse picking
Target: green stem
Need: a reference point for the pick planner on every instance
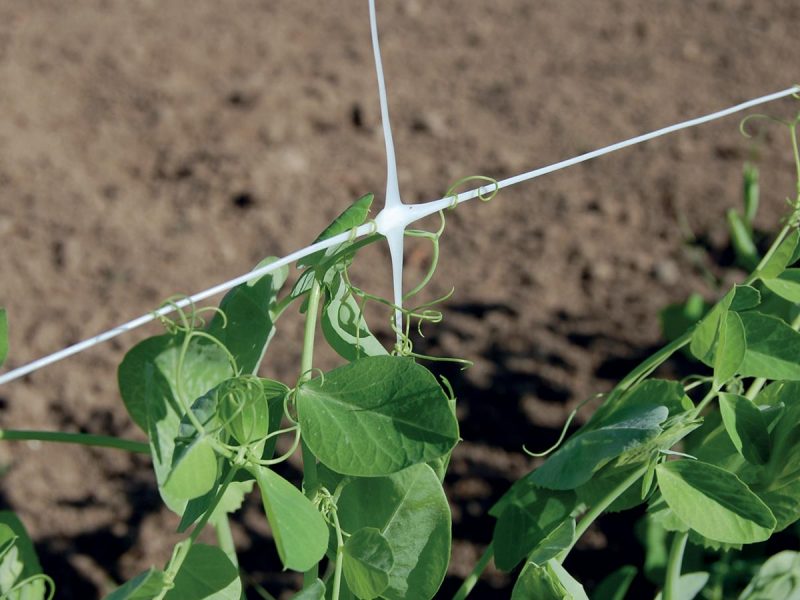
(596, 510)
(306, 364)
(473, 577)
(337, 574)
(674, 566)
(183, 548)
(84, 439)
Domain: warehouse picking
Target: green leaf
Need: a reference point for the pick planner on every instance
(778, 577)
(786, 285)
(3, 336)
(27, 553)
(367, 562)
(616, 585)
(573, 464)
(547, 582)
(746, 427)
(704, 336)
(554, 543)
(145, 586)
(730, 350)
(773, 348)
(19, 565)
(353, 216)
(195, 469)
(316, 591)
(411, 511)
(344, 326)
(745, 297)
(248, 325)
(527, 519)
(206, 574)
(650, 393)
(376, 416)
(300, 532)
(781, 257)
(689, 585)
(714, 502)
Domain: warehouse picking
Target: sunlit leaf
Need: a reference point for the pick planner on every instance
(731, 348)
(746, 427)
(376, 416)
(688, 586)
(411, 511)
(145, 586)
(714, 502)
(778, 577)
(773, 348)
(368, 561)
(299, 531)
(206, 574)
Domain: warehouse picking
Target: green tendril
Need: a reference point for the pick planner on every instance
(49, 584)
(482, 196)
(563, 429)
(285, 455)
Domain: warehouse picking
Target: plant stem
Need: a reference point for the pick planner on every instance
(306, 364)
(185, 546)
(597, 509)
(222, 526)
(84, 439)
(473, 577)
(337, 574)
(674, 566)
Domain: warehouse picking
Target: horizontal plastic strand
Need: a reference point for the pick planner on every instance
(420, 211)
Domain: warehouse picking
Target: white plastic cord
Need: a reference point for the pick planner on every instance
(390, 219)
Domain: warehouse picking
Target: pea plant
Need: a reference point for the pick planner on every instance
(716, 456)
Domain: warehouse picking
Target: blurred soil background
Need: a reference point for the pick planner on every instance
(156, 148)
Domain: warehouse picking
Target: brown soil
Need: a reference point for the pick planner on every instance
(151, 148)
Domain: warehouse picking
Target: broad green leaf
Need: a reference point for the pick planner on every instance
(353, 216)
(704, 336)
(27, 553)
(607, 479)
(243, 409)
(689, 585)
(527, 519)
(730, 350)
(344, 326)
(773, 348)
(206, 574)
(616, 585)
(367, 562)
(376, 416)
(145, 586)
(650, 393)
(157, 400)
(746, 427)
(547, 582)
(195, 469)
(745, 297)
(411, 511)
(742, 241)
(573, 464)
(781, 257)
(714, 502)
(786, 285)
(778, 577)
(316, 591)
(300, 532)
(554, 543)
(248, 325)
(3, 336)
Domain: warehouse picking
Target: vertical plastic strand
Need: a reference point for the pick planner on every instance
(392, 186)
(392, 202)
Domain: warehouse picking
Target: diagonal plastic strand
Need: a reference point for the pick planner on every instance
(407, 213)
(165, 310)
